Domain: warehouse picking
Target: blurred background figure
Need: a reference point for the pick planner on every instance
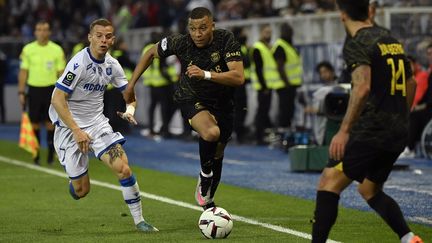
(42, 62)
(290, 70)
(113, 98)
(160, 78)
(240, 96)
(421, 110)
(2, 83)
(264, 73)
(316, 105)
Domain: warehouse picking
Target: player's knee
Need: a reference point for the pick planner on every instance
(211, 134)
(366, 192)
(124, 171)
(81, 190)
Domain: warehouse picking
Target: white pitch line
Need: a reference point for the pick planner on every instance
(196, 157)
(422, 220)
(163, 199)
(406, 189)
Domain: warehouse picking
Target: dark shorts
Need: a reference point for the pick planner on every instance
(362, 161)
(39, 100)
(224, 117)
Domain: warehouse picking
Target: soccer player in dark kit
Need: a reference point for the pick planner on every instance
(374, 130)
(211, 67)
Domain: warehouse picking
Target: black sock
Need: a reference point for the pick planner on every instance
(217, 172)
(207, 152)
(389, 210)
(326, 210)
(50, 142)
(37, 134)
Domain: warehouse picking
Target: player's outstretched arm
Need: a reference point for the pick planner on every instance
(59, 102)
(128, 115)
(233, 77)
(143, 64)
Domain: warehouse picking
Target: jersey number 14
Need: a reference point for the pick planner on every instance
(398, 76)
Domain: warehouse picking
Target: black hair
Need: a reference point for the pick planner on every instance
(42, 22)
(286, 32)
(325, 64)
(357, 10)
(199, 13)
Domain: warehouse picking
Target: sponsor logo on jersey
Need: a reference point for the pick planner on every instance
(215, 57)
(100, 70)
(69, 77)
(76, 65)
(89, 66)
(109, 71)
(94, 87)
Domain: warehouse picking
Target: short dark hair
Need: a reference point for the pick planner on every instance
(357, 10)
(325, 64)
(200, 12)
(102, 22)
(42, 22)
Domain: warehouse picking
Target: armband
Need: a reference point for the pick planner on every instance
(207, 75)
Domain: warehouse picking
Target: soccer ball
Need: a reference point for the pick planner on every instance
(215, 223)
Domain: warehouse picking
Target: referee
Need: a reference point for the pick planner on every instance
(42, 62)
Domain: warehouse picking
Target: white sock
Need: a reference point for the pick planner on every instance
(132, 197)
(407, 237)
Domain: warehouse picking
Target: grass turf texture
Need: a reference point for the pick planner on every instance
(37, 206)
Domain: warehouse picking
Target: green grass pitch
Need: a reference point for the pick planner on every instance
(35, 206)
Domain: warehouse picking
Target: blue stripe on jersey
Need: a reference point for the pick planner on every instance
(120, 141)
(77, 177)
(122, 88)
(130, 201)
(94, 59)
(130, 181)
(63, 88)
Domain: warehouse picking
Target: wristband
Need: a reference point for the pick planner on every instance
(207, 75)
(130, 109)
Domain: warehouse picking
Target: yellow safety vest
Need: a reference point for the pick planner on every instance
(247, 71)
(43, 63)
(293, 65)
(152, 76)
(270, 72)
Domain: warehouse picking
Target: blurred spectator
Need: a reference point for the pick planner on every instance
(421, 114)
(264, 75)
(240, 96)
(290, 71)
(315, 108)
(113, 98)
(2, 82)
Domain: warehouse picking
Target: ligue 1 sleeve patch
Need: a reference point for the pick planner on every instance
(69, 77)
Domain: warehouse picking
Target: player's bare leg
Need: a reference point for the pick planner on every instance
(205, 124)
(117, 160)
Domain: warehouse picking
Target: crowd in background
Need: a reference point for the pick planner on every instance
(71, 18)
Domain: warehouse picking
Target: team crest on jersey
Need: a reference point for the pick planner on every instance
(198, 106)
(109, 71)
(69, 77)
(215, 57)
(164, 44)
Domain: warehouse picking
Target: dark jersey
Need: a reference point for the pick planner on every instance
(223, 49)
(384, 121)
